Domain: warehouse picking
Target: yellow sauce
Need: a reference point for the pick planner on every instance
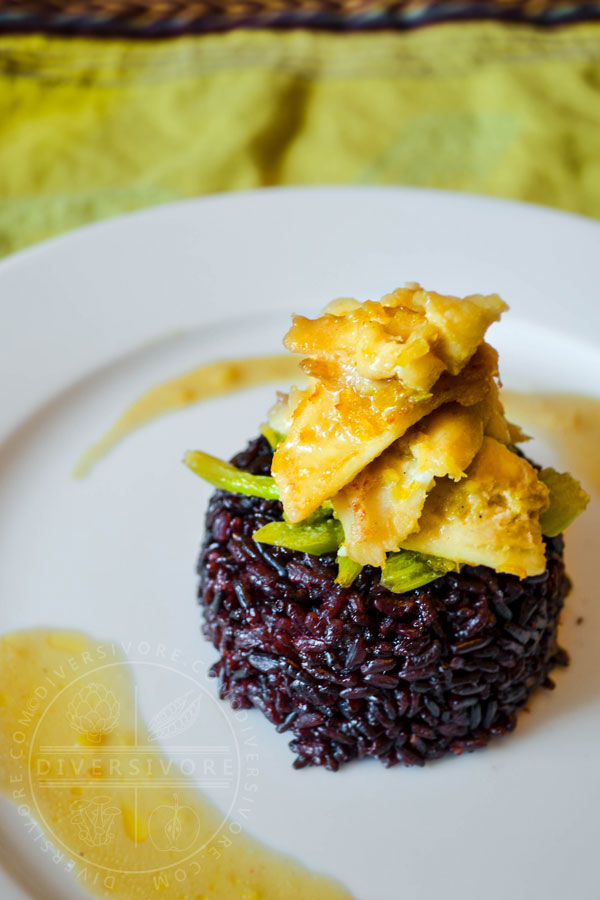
(203, 383)
(72, 748)
(571, 422)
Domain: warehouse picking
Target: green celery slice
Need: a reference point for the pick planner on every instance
(274, 437)
(325, 536)
(567, 501)
(324, 511)
(348, 570)
(226, 477)
(406, 570)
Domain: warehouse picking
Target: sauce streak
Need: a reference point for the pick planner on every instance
(71, 750)
(571, 422)
(208, 381)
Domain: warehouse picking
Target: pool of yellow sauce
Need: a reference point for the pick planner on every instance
(68, 727)
(571, 422)
(207, 381)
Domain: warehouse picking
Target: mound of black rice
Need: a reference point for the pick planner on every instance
(360, 672)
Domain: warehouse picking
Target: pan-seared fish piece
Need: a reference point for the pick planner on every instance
(334, 434)
(489, 518)
(382, 505)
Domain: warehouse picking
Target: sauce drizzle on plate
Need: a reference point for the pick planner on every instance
(72, 749)
(211, 380)
(571, 422)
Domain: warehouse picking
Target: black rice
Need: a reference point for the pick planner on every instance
(358, 672)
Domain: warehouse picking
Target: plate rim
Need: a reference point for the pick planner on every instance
(29, 255)
(250, 194)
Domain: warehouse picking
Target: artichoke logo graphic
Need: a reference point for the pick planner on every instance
(94, 820)
(94, 711)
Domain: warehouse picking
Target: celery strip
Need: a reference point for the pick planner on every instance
(226, 477)
(567, 501)
(325, 536)
(324, 511)
(406, 570)
(348, 570)
(273, 437)
(319, 533)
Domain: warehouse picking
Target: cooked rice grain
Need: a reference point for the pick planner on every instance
(359, 672)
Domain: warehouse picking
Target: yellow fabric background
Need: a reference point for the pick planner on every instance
(91, 128)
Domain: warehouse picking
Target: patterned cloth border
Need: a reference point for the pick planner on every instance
(169, 18)
(90, 128)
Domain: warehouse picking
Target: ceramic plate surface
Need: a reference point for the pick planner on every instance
(92, 319)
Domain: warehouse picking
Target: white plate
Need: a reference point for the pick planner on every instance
(90, 320)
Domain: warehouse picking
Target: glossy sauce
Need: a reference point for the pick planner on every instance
(124, 841)
(571, 422)
(204, 383)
